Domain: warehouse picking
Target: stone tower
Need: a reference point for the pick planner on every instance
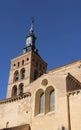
(25, 68)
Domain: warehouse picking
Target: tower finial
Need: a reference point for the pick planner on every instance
(32, 24)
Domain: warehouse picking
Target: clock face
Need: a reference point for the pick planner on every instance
(29, 41)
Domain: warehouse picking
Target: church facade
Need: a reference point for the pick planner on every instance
(38, 99)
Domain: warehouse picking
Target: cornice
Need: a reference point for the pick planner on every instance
(72, 84)
(74, 79)
(16, 98)
(73, 93)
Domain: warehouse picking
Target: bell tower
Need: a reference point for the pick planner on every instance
(25, 68)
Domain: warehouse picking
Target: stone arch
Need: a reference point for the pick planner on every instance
(38, 95)
(49, 99)
(21, 87)
(22, 73)
(14, 91)
(16, 76)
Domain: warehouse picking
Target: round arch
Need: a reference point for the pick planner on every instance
(49, 99)
(37, 100)
(21, 85)
(14, 91)
(22, 73)
(16, 76)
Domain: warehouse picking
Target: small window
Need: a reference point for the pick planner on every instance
(22, 72)
(14, 65)
(27, 59)
(16, 76)
(21, 88)
(14, 91)
(22, 62)
(18, 64)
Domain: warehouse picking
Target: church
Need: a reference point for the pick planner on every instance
(38, 99)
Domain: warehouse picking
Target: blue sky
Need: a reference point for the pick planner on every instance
(57, 28)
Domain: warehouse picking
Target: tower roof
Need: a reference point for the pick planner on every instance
(31, 30)
(30, 40)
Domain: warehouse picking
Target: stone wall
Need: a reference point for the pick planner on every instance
(15, 112)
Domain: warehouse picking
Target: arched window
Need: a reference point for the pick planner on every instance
(39, 102)
(22, 62)
(42, 103)
(16, 76)
(49, 99)
(21, 88)
(22, 72)
(18, 64)
(14, 91)
(52, 100)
